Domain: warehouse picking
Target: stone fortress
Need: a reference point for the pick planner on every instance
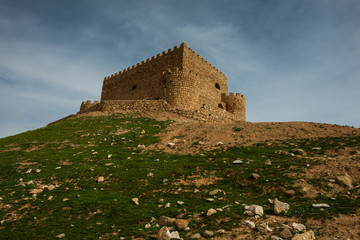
(178, 80)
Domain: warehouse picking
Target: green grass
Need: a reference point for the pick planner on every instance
(86, 144)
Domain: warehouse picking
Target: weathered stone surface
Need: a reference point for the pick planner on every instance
(345, 180)
(298, 151)
(163, 234)
(166, 221)
(135, 201)
(320, 205)
(298, 227)
(249, 223)
(100, 179)
(174, 235)
(268, 162)
(210, 212)
(289, 193)
(237, 162)
(208, 233)
(253, 210)
(181, 224)
(195, 236)
(255, 176)
(286, 233)
(264, 228)
(305, 236)
(216, 191)
(280, 207)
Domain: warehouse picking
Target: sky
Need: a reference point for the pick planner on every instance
(294, 60)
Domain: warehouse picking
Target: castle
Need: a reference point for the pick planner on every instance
(178, 80)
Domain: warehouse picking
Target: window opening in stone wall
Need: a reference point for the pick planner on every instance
(217, 86)
(133, 87)
(221, 106)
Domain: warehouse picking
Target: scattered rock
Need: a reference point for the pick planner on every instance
(268, 162)
(221, 231)
(166, 221)
(255, 176)
(216, 191)
(298, 151)
(163, 234)
(148, 225)
(320, 205)
(253, 210)
(100, 179)
(237, 162)
(280, 207)
(289, 193)
(36, 191)
(218, 144)
(210, 199)
(181, 224)
(208, 233)
(143, 132)
(196, 236)
(210, 212)
(171, 145)
(345, 180)
(264, 228)
(286, 233)
(141, 146)
(167, 205)
(298, 227)
(150, 175)
(180, 203)
(305, 236)
(250, 224)
(50, 198)
(62, 235)
(135, 200)
(174, 235)
(65, 199)
(273, 237)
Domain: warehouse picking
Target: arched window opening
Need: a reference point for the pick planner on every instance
(133, 87)
(217, 86)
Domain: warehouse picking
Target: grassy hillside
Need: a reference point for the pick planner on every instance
(50, 181)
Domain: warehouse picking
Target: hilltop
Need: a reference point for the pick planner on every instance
(105, 176)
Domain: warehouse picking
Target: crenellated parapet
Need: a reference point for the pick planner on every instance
(88, 106)
(234, 103)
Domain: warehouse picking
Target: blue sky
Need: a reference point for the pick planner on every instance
(295, 60)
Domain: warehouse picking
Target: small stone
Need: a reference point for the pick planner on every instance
(62, 235)
(219, 209)
(286, 233)
(166, 221)
(289, 193)
(280, 207)
(141, 146)
(135, 200)
(210, 199)
(298, 227)
(305, 236)
(220, 231)
(161, 200)
(208, 233)
(264, 228)
(268, 162)
(109, 156)
(298, 151)
(65, 199)
(320, 205)
(216, 191)
(273, 237)
(38, 170)
(345, 180)
(254, 210)
(250, 224)
(196, 190)
(237, 162)
(167, 205)
(171, 145)
(255, 176)
(174, 235)
(143, 132)
(181, 224)
(148, 225)
(50, 198)
(57, 168)
(36, 191)
(195, 236)
(150, 175)
(210, 212)
(163, 234)
(218, 144)
(180, 203)
(100, 179)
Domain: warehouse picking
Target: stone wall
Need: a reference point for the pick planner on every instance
(234, 104)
